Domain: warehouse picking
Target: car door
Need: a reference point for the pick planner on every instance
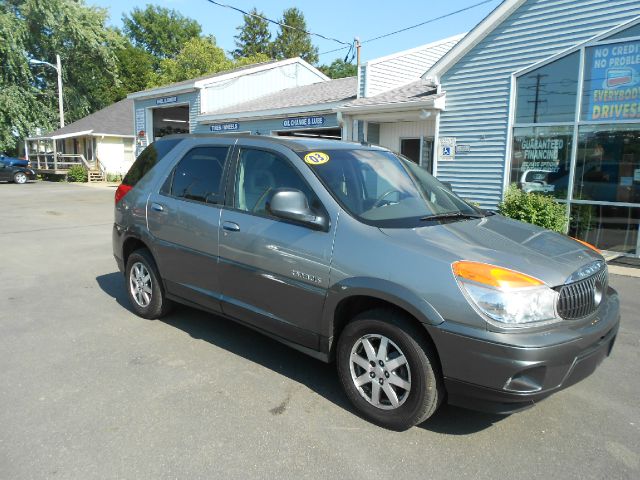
(184, 216)
(5, 171)
(276, 273)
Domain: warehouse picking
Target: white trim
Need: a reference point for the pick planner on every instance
(94, 134)
(436, 140)
(513, 92)
(476, 35)
(397, 106)
(70, 135)
(162, 91)
(269, 113)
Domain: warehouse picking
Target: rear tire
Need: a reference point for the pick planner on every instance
(389, 371)
(144, 286)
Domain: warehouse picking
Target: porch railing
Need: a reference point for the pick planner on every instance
(61, 161)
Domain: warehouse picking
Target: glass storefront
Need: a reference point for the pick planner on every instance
(580, 141)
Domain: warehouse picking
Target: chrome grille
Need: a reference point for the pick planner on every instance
(581, 298)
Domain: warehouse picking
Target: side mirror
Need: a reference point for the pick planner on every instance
(292, 204)
(448, 185)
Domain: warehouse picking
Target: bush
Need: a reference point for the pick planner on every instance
(534, 208)
(114, 177)
(77, 173)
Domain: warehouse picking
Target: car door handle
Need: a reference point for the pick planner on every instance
(157, 207)
(231, 226)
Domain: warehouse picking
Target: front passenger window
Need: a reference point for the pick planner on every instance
(259, 174)
(198, 176)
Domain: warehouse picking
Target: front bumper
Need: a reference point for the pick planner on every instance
(504, 373)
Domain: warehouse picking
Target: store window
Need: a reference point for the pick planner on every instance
(611, 89)
(541, 159)
(548, 94)
(628, 33)
(608, 163)
(609, 227)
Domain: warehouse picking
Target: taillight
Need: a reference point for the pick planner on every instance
(122, 191)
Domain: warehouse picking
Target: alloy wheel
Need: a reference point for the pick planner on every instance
(140, 284)
(20, 177)
(380, 371)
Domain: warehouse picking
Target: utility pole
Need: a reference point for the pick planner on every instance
(537, 100)
(60, 108)
(58, 68)
(357, 40)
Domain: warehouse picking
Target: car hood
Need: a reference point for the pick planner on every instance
(500, 241)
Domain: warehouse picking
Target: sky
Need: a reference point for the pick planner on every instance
(343, 20)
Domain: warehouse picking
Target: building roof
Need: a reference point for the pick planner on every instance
(417, 91)
(321, 93)
(193, 83)
(116, 119)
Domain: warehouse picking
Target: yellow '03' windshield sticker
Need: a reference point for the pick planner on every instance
(316, 158)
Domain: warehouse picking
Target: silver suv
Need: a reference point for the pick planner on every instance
(356, 255)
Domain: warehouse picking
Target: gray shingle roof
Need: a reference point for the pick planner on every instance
(316, 93)
(411, 92)
(116, 119)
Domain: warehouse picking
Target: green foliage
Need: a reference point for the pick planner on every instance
(253, 38)
(114, 177)
(199, 56)
(28, 94)
(77, 173)
(294, 42)
(135, 70)
(160, 31)
(534, 208)
(339, 69)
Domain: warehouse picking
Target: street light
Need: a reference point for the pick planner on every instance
(58, 68)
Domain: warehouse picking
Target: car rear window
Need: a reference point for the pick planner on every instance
(148, 159)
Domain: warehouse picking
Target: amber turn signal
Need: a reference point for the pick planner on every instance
(493, 276)
(588, 245)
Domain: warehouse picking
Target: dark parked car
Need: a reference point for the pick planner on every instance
(13, 161)
(10, 172)
(353, 254)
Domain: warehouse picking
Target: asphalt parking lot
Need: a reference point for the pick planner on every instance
(89, 390)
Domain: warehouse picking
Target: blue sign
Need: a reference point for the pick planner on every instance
(303, 122)
(224, 127)
(165, 100)
(614, 83)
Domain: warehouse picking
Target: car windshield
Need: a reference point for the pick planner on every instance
(382, 189)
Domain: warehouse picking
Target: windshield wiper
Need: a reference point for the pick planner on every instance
(438, 216)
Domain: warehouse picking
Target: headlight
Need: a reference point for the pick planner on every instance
(506, 297)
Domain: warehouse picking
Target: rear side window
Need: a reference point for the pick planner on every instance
(148, 159)
(198, 176)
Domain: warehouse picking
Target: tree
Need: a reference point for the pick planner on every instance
(40, 30)
(199, 56)
(160, 31)
(339, 69)
(294, 42)
(254, 37)
(135, 70)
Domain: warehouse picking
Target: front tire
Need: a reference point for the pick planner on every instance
(388, 370)
(144, 286)
(20, 178)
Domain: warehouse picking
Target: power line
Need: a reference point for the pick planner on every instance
(431, 20)
(347, 45)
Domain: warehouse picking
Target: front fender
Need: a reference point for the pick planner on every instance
(381, 289)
